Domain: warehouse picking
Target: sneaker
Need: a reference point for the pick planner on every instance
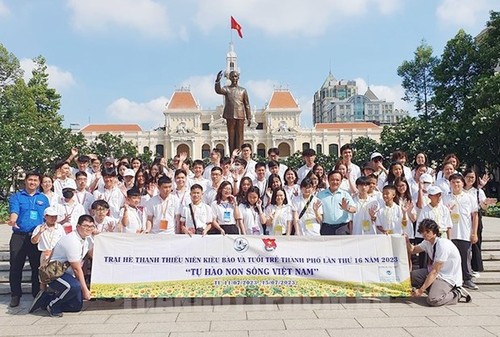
(475, 274)
(14, 301)
(470, 285)
(38, 301)
(53, 314)
(463, 294)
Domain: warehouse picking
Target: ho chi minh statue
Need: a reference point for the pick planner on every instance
(236, 108)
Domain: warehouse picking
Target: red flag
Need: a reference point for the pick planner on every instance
(236, 25)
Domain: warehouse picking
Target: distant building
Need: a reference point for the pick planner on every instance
(339, 102)
(190, 129)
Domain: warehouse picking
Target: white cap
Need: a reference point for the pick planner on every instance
(51, 211)
(375, 155)
(70, 183)
(426, 178)
(433, 190)
(129, 173)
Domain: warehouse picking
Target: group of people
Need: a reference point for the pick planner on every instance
(55, 216)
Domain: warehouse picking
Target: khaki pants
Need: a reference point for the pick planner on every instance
(439, 293)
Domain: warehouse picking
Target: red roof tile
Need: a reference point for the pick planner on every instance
(111, 128)
(182, 100)
(282, 99)
(354, 125)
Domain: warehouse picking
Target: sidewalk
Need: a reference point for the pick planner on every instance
(264, 317)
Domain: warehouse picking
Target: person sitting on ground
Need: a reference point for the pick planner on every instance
(443, 278)
(70, 288)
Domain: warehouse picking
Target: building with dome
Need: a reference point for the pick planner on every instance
(189, 128)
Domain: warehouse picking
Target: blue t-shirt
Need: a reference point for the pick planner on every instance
(29, 209)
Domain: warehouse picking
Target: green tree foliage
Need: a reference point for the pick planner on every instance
(456, 74)
(418, 79)
(107, 144)
(31, 130)
(363, 148)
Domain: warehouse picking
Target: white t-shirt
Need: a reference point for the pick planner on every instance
(223, 213)
(308, 225)
(104, 225)
(461, 207)
(390, 218)
(355, 171)
(291, 191)
(202, 213)
(204, 183)
(163, 210)
(446, 252)
(282, 216)
(137, 219)
(85, 199)
(114, 197)
(184, 197)
(251, 220)
(60, 184)
(75, 210)
(50, 237)
(440, 214)
(361, 220)
(302, 172)
(444, 185)
(71, 248)
(476, 194)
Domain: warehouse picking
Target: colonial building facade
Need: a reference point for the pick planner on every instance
(188, 128)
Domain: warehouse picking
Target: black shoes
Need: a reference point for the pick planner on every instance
(14, 301)
(463, 294)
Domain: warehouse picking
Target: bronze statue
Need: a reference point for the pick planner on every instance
(236, 108)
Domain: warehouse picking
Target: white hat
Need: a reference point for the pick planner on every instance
(433, 190)
(375, 155)
(51, 211)
(129, 173)
(426, 178)
(70, 183)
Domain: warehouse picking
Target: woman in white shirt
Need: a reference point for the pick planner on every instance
(252, 215)
(279, 214)
(226, 211)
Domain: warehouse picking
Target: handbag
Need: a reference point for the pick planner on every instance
(197, 230)
(52, 270)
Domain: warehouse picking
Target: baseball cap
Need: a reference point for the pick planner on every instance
(426, 178)
(109, 160)
(70, 184)
(376, 155)
(433, 190)
(368, 166)
(51, 211)
(129, 173)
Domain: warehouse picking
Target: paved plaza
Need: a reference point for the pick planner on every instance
(264, 317)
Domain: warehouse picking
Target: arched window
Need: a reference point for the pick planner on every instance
(205, 151)
(160, 152)
(284, 150)
(183, 148)
(319, 149)
(305, 146)
(261, 150)
(333, 149)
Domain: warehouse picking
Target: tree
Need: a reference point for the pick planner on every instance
(31, 130)
(456, 74)
(364, 147)
(418, 80)
(106, 145)
(10, 70)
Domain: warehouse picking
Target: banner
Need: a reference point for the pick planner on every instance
(151, 266)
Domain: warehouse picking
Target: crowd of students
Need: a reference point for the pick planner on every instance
(237, 195)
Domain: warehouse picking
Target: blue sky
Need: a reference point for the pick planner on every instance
(119, 61)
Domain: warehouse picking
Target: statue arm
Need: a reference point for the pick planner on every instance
(246, 104)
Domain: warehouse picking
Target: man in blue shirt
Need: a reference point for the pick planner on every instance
(26, 209)
(336, 207)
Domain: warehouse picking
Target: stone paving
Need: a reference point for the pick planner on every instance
(305, 317)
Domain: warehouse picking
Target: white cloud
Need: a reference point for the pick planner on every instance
(260, 91)
(4, 10)
(464, 12)
(306, 119)
(124, 110)
(390, 94)
(58, 78)
(292, 17)
(146, 16)
(203, 91)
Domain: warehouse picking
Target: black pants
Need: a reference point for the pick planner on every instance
(465, 250)
(477, 259)
(20, 248)
(337, 229)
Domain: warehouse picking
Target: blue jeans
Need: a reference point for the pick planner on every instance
(68, 294)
